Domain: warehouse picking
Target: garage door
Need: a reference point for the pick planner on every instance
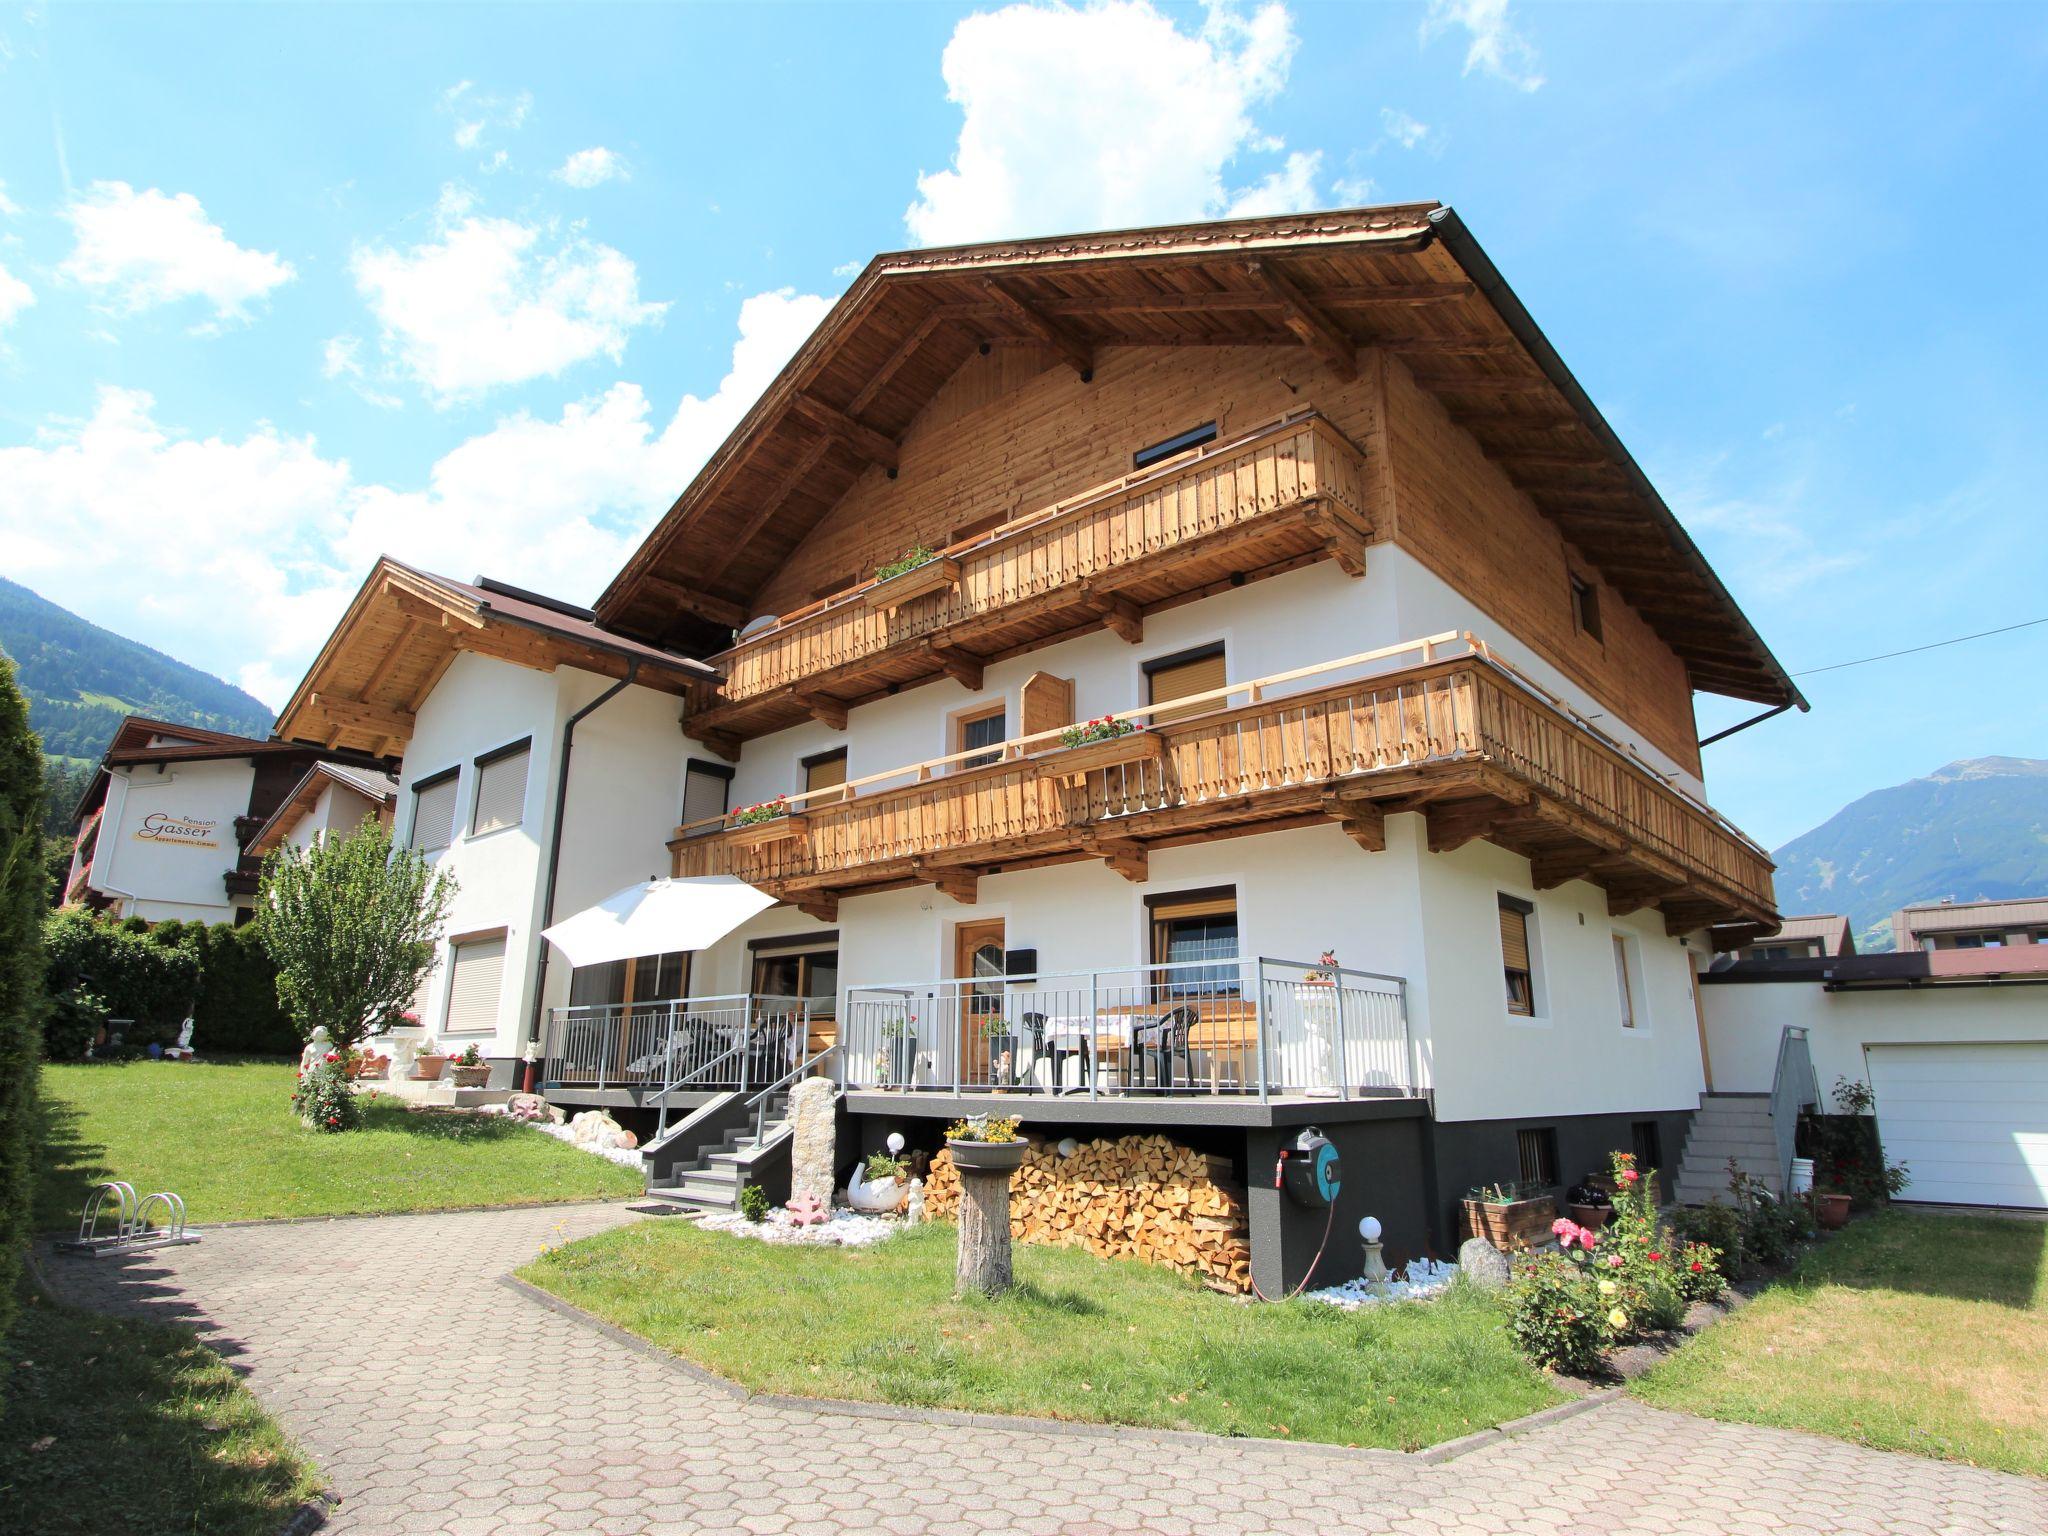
(1969, 1121)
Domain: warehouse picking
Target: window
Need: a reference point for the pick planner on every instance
(1194, 437)
(501, 787)
(825, 771)
(1514, 954)
(1536, 1146)
(805, 966)
(433, 811)
(476, 972)
(707, 795)
(1980, 941)
(985, 728)
(1180, 676)
(1585, 607)
(1647, 1142)
(1624, 983)
(1193, 926)
(659, 978)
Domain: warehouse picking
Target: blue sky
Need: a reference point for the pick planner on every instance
(480, 286)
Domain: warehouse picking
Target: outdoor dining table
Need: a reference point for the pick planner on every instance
(1088, 1036)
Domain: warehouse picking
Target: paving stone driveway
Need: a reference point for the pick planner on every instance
(481, 1412)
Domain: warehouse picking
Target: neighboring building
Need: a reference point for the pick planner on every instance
(164, 828)
(1822, 934)
(332, 800)
(1952, 1042)
(1411, 638)
(1939, 925)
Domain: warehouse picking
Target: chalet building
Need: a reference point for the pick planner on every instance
(332, 800)
(1814, 936)
(1219, 680)
(1941, 925)
(165, 830)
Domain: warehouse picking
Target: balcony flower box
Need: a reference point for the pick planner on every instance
(1512, 1226)
(1132, 747)
(769, 829)
(934, 575)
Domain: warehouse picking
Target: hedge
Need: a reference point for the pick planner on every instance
(23, 895)
(155, 976)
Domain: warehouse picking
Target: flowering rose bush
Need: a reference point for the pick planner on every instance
(1698, 1273)
(1556, 1312)
(1638, 1248)
(323, 1098)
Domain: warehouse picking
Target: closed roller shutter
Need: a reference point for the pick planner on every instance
(477, 972)
(825, 773)
(433, 813)
(1177, 679)
(501, 790)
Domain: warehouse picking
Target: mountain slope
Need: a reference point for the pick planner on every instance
(81, 679)
(1975, 830)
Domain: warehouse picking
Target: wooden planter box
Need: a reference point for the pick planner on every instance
(775, 829)
(1091, 756)
(1512, 1227)
(919, 581)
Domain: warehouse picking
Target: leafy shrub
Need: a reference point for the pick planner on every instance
(1715, 1226)
(1556, 1313)
(1699, 1273)
(754, 1203)
(1771, 1228)
(323, 1098)
(149, 980)
(71, 1023)
(881, 1165)
(237, 1009)
(1847, 1155)
(22, 898)
(1636, 1252)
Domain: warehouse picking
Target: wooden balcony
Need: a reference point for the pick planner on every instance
(1438, 726)
(1270, 499)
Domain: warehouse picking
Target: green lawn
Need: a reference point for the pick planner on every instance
(1908, 1332)
(123, 1428)
(222, 1134)
(1102, 1340)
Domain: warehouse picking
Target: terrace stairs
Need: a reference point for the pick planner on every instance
(1736, 1125)
(713, 1179)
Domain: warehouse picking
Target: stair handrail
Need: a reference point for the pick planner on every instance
(1789, 1095)
(759, 1102)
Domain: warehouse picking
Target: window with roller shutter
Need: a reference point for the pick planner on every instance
(476, 974)
(1178, 677)
(433, 811)
(501, 787)
(1514, 951)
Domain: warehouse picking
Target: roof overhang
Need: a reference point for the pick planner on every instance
(1408, 280)
(405, 627)
(303, 797)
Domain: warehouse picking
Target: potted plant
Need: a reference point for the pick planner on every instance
(1589, 1206)
(1002, 1051)
(986, 1150)
(429, 1060)
(471, 1070)
(899, 1050)
(876, 1187)
(923, 570)
(767, 821)
(987, 1144)
(1104, 742)
(1831, 1208)
(1509, 1216)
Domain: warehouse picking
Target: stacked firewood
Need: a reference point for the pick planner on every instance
(1142, 1197)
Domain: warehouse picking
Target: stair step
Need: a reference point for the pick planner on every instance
(708, 1170)
(721, 1196)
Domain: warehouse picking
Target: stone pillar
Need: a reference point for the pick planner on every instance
(813, 1136)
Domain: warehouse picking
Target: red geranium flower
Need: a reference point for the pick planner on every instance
(1697, 1266)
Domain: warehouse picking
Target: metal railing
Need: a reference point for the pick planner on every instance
(1211, 1027)
(1794, 1085)
(759, 1102)
(738, 1040)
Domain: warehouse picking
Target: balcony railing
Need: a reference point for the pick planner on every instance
(710, 1044)
(1439, 713)
(1056, 566)
(1251, 1028)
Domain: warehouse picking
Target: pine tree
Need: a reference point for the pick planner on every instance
(23, 897)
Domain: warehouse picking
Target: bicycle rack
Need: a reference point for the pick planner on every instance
(154, 1221)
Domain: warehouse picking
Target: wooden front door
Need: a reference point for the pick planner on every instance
(978, 962)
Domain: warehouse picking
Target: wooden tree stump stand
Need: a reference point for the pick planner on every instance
(984, 1251)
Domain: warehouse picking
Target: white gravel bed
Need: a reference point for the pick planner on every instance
(843, 1229)
(1425, 1278)
(625, 1157)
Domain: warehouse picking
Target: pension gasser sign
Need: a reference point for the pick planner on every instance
(181, 831)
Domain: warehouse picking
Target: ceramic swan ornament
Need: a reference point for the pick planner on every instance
(864, 1194)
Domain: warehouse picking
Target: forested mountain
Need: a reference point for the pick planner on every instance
(81, 680)
(1976, 830)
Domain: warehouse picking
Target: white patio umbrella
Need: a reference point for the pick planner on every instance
(657, 917)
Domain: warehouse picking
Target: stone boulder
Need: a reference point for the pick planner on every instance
(1482, 1264)
(595, 1128)
(814, 1135)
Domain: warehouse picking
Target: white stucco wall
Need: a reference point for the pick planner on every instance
(158, 879)
(1746, 1019)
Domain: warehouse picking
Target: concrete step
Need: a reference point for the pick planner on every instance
(689, 1191)
(1700, 1154)
(708, 1170)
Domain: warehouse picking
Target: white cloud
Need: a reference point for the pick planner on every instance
(1354, 191)
(15, 296)
(1402, 129)
(1764, 540)
(1288, 190)
(341, 357)
(493, 301)
(139, 250)
(250, 548)
(591, 167)
(1495, 47)
(7, 204)
(1105, 116)
(478, 113)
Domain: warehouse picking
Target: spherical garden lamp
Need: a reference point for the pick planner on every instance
(1375, 1266)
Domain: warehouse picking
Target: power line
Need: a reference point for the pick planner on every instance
(1933, 645)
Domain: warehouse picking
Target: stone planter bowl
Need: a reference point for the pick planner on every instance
(471, 1077)
(988, 1156)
